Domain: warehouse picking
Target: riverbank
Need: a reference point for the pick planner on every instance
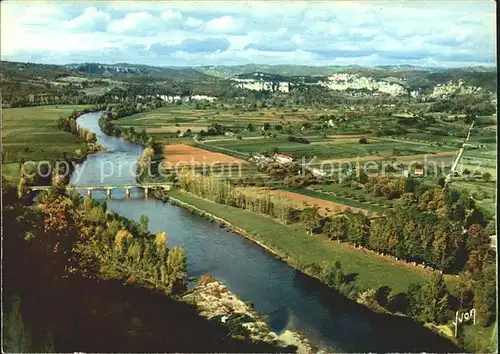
(265, 234)
(216, 302)
(291, 244)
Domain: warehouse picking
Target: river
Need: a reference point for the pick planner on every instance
(287, 298)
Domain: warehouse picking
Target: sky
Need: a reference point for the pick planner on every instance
(366, 33)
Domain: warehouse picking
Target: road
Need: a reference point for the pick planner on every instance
(460, 152)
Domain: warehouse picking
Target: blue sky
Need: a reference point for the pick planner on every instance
(431, 33)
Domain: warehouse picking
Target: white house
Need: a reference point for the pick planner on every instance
(282, 158)
(316, 172)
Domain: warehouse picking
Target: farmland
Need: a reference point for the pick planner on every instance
(330, 148)
(30, 133)
(326, 207)
(404, 139)
(178, 156)
(189, 155)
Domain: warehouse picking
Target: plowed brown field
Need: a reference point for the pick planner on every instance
(189, 155)
(326, 207)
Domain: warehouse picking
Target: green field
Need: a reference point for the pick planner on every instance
(182, 117)
(10, 171)
(330, 147)
(484, 158)
(238, 173)
(352, 202)
(293, 241)
(396, 135)
(339, 194)
(31, 133)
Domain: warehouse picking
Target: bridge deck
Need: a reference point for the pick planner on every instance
(109, 186)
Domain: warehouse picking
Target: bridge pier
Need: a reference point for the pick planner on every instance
(89, 192)
(108, 193)
(146, 192)
(127, 193)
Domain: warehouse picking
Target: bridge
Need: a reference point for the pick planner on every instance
(109, 187)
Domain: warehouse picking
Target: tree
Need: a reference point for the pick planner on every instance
(487, 176)
(363, 140)
(478, 248)
(435, 297)
(443, 250)
(336, 228)
(357, 233)
(415, 300)
(332, 274)
(63, 226)
(144, 224)
(310, 217)
(16, 337)
(490, 229)
(465, 289)
(266, 127)
(485, 295)
(177, 269)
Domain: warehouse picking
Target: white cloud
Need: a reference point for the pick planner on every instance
(225, 24)
(365, 33)
(132, 22)
(193, 22)
(171, 16)
(91, 20)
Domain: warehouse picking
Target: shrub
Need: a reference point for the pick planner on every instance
(298, 140)
(487, 176)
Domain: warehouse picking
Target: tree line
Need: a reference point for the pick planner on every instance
(221, 191)
(442, 228)
(121, 110)
(66, 236)
(68, 124)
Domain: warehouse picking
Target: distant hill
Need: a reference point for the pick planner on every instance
(135, 70)
(411, 77)
(283, 70)
(302, 70)
(19, 70)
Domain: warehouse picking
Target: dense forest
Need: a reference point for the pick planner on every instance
(97, 274)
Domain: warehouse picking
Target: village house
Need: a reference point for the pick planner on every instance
(418, 172)
(316, 172)
(282, 158)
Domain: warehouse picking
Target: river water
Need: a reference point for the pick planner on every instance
(288, 299)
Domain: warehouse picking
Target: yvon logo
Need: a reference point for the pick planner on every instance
(463, 317)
